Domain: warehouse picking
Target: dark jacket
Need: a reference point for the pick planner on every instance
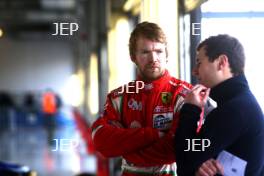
(236, 126)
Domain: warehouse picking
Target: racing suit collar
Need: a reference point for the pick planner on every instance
(149, 85)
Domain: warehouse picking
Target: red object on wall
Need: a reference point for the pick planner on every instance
(86, 133)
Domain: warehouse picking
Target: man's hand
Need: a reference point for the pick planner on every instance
(210, 168)
(161, 134)
(198, 95)
(116, 124)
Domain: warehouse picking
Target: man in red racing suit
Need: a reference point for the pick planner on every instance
(139, 125)
(131, 122)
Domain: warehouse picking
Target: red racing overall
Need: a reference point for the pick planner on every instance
(131, 122)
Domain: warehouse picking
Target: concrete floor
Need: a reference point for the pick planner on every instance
(64, 156)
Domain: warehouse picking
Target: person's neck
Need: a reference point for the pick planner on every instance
(225, 76)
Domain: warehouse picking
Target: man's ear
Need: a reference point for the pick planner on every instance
(223, 61)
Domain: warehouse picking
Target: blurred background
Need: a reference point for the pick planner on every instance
(59, 59)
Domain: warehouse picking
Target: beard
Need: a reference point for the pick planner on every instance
(151, 73)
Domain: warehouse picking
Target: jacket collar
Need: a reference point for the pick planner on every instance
(229, 89)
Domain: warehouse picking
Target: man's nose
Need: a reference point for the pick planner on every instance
(153, 57)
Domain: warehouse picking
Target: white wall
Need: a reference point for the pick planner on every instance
(35, 65)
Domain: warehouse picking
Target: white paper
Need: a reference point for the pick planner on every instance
(233, 165)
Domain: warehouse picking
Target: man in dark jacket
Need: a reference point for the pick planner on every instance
(234, 131)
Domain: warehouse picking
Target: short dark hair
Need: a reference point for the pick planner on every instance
(147, 30)
(230, 46)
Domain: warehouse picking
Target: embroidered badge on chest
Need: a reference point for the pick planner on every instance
(166, 97)
(162, 121)
(134, 105)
